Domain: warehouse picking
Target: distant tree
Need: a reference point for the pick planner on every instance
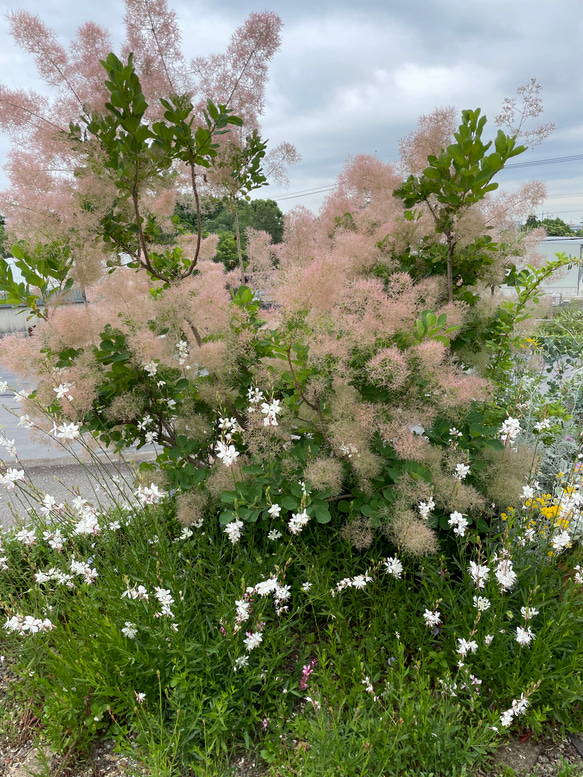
(218, 219)
(553, 227)
(4, 249)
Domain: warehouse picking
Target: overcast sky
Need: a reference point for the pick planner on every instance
(350, 80)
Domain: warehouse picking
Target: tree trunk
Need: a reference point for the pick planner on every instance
(238, 241)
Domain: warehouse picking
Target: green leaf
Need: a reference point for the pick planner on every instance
(322, 515)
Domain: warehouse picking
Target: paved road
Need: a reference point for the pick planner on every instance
(48, 466)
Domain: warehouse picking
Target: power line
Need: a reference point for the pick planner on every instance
(535, 163)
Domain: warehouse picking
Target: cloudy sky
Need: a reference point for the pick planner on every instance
(354, 78)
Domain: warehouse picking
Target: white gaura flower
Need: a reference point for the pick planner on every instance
(151, 368)
(149, 496)
(459, 523)
(274, 535)
(425, 508)
(227, 453)
(10, 477)
(465, 647)
(509, 431)
(561, 541)
(461, 471)
(24, 420)
(481, 603)
(432, 618)
(528, 612)
(274, 511)
(578, 577)
(68, 431)
(488, 639)
(394, 567)
(63, 390)
(253, 640)
(505, 575)
(27, 536)
(297, 522)
(271, 411)
(234, 530)
(130, 630)
(524, 636)
(527, 492)
(479, 574)
(240, 662)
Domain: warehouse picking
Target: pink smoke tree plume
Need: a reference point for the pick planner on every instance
(334, 365)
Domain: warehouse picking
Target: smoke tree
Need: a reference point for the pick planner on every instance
(344, 385)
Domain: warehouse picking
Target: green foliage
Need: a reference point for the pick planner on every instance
(454, 181)
(503, 337)
(45, 269)
(139, 156)
(384, 693)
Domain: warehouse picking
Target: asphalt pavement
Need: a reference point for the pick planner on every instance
(52, 469)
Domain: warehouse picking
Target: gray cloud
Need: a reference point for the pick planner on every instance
(353, 79)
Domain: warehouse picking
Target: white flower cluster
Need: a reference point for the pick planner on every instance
(432, 618)
(519, 707)
(578, 577)
(298, 521)
(62, 391)
(281, 593)
(255, 397)
(271, 411)
(130, 630)
(505, 574)
(226, 453)
(228, 427)
(26, 536)
(394, 567)
(61, 578)
(459, 523)
(509, 431)
(359, 581)
(66, 432)
(561, 540)
(479, 574)
(252, 640)
(151, 368)
(542, 426)
(425, 508)
(26, 624)
(49, 505)
(182, 351)
(136, 593)
(524, 636)
(234, 530)
(25, 422)
(10, 446)
(89, 518)
(80, 568)
(466, 646)
(10, 477)
(461, 472)
(163, 595)
(149, 496)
